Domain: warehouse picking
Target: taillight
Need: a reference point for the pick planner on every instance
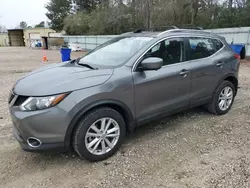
(237, 56)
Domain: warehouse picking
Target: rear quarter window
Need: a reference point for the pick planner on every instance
(203, 47)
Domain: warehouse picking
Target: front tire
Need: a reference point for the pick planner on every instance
(99, 135)
(223, 98)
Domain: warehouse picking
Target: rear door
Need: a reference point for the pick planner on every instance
(207, 57)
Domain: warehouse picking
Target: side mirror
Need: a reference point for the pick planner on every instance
(151, 63)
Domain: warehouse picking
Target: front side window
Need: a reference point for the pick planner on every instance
(203, 47)
(170, 50)
(114, 52)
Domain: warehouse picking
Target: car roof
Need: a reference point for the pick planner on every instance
(171, 32)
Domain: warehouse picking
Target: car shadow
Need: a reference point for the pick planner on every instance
(170, 123)
(166, 124)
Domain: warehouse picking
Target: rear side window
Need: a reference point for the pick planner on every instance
(203, 47)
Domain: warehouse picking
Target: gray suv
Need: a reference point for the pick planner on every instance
(89, 103)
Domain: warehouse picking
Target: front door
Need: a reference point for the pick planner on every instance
(160, 92)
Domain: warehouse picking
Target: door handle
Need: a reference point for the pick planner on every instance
(220, 64)
(184, 73)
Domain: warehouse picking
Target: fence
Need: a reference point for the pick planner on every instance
(88, 42)
(4, 39)
(235, 35)
(239, 35)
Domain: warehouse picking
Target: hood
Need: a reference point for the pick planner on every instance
(60, 78)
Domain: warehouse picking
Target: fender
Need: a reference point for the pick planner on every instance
(226, 76)
(130, 120)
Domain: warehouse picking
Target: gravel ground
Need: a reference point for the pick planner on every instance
(190, 149)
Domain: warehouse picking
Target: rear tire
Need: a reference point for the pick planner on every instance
(225, 92)
(99, 134)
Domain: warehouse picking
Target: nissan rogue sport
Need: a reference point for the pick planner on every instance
(89, 103)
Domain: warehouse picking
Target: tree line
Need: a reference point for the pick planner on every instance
(24, 25)
(81, 17)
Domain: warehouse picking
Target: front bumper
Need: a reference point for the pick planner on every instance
(56, 147)
(49, 126)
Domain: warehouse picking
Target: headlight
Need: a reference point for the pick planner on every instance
(39, 103)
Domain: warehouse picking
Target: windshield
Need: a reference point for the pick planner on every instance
(114, 52)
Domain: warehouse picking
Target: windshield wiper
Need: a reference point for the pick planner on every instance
(87, 65)
(83, 64)
(76, 60)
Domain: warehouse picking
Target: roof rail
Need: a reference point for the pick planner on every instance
(168, 29)
(195, 28)
(157, 28)
(187, 30)
(176, 29)
(138, 31)
(180, 29)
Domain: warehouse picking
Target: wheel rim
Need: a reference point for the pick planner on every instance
(225, 98)
(102, 136)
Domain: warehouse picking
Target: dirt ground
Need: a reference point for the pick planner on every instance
(191, 149)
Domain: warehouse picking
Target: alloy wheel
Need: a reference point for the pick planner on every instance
(225, 98)
(102, 136)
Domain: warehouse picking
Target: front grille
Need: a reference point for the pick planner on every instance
(11, 96)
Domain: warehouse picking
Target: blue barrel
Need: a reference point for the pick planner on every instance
(39, 44)
(65, 52)
(237, 48)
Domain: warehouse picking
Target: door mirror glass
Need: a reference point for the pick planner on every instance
(151, 63)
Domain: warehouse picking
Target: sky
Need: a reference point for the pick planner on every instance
(12, 12)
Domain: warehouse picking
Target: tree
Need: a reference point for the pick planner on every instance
(3, 29)
(119, 16)
(87, 5)
(230, 4)
(41, 24)
(23, 25)
(77, 24)
(58, 10)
